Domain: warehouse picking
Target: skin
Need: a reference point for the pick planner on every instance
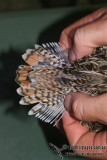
(80, 39)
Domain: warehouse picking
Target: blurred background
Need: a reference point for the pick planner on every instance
(14, 5)
(24, 23)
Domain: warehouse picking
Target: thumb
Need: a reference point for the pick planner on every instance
(88, 37)
(87, 108)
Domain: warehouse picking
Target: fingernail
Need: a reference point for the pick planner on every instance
(68, 103)
(72, 55)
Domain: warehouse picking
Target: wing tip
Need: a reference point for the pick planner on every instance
(24, 56)
(22, 102)
(18, 90)
(30, 113)
(36, 46)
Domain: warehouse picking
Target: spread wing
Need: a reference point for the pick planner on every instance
(38, 84)
(49, 76)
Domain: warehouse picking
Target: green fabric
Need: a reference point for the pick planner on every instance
(23, 137)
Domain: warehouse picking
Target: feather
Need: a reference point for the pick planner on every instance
(50, 75)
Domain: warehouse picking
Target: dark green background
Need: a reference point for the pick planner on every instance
(23, 137)
(18, 5)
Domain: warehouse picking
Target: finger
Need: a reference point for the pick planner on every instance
(68, 33)
(79, 136)
(89, 37)
(87, 108)
(59, 126)
(71, 124)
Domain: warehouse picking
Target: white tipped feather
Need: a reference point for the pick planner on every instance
(24, 56)
(22, 102)
(18, 90)
(30, 112)
(35, 109)
(36, 46)
(28, 50)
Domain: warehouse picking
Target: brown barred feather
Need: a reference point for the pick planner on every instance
(49, 76)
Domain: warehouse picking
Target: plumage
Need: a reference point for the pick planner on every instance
(49, 76)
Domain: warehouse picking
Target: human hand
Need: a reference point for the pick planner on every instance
(80, 39)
